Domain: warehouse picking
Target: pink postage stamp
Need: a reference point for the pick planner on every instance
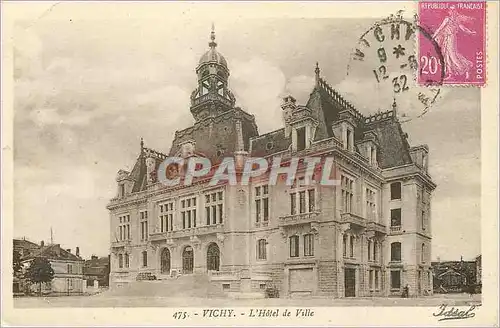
(452, 47)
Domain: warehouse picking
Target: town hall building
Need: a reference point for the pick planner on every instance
(370, 235)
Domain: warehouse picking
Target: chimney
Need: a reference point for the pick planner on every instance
(41, 243)
(77, 251)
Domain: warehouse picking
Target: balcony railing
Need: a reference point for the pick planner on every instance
(377, 227)
(300, 218)
(195, 231)
(353, 218)
(120, 243)
(396, 228)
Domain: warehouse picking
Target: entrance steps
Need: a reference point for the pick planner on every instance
(192, 285)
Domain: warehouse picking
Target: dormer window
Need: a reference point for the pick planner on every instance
(349, 139)
(122, 190)
(301, 138)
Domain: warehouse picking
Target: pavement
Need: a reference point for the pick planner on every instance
(108, 300)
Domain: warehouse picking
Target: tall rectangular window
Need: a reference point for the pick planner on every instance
(120, 261)
(422, 218)
(301, 138)
(122, 190)
(351, 245)
(261, 249)
(261, 196)
(371, 207)
(214, 202)
(395, 279)
(347, 185)
(395, 190)
(188, 212)
(294, 246)
(396, 252)
(396, 217)
(143, 221)
(344, 245)
(348, 139)
(166, 216)
(144, 258)
(369, 250)
(377, 285)
(124, 227)
(293, 205)
(309, 245)
(303, 196)
(302, 202)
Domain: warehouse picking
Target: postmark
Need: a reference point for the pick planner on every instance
(386, 55)
(458, 28)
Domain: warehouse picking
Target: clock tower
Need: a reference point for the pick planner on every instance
(212, 97)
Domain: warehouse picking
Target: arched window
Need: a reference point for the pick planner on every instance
(120, 261)
(261, 249)
(213, 257)
(187, 260)
(396, 251)
(144, 258)
(294, 246)
(127, 260)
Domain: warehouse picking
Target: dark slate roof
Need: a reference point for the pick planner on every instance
(218, 133)
(23, 244)
(270, 143)
(212, 136)
(394, 149)
(325, 104)
(217, 137)
(53, 252)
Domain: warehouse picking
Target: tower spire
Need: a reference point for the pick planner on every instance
(212, 43)
(316, 71)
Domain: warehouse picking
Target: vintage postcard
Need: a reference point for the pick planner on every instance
(250, 163)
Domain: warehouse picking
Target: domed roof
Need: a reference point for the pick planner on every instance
(212, 55)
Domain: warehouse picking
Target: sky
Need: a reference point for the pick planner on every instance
(86, 91)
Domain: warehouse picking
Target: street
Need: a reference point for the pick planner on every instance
(106, 300)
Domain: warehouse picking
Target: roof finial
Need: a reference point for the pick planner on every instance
(394, 104)
(142, 145)
(316, 71)
(212, 43)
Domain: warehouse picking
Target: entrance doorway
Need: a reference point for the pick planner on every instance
(350, 282)
(187, 260)
(165, 261)
(213, 257)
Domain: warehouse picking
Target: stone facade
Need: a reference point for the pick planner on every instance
(369, 235)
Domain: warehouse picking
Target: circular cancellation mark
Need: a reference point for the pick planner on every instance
(385, 60)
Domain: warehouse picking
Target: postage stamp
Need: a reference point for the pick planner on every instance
(458, 28)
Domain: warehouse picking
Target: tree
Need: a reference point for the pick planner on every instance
(40, 271)
(17, 266)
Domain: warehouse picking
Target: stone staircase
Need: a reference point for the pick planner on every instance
(192, 285)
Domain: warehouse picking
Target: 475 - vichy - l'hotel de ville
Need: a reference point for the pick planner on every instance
(369, 235)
